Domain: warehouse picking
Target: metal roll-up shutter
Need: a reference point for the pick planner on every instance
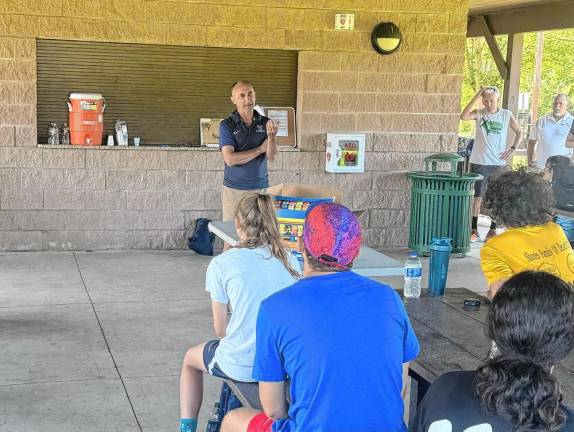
(161, 91)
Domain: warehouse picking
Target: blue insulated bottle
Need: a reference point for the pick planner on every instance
(440, 250)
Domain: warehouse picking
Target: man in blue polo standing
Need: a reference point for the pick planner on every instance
(247, 140)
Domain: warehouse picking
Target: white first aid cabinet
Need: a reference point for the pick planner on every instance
(345, 153)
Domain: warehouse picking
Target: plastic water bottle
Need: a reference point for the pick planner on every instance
(65, 135)
(213, 422)
(413, 276)
(53, 138)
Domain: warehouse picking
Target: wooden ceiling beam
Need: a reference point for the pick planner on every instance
(527, 18)
(480, 7)
(494, 48)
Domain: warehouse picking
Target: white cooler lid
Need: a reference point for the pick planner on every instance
(96, 96)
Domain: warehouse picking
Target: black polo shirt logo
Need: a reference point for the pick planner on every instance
(259, 128)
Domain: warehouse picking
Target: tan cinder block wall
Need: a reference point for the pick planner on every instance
(407, 103)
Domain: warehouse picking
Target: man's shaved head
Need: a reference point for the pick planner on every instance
(242, 83)
(243, 97)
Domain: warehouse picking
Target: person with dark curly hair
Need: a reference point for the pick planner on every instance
(522, 201)
(531, 320)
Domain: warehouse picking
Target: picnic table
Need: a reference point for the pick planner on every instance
(451, 337)
(369, 262)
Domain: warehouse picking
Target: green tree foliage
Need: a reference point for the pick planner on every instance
(557, 74)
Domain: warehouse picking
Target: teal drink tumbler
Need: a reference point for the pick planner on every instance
(440, 250)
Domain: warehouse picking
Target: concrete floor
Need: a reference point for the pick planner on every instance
(93, 341)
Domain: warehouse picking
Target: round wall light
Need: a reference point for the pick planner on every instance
(386, 38)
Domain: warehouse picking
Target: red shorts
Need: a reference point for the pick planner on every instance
(260, 423)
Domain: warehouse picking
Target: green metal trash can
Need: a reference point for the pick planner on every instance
(441, 203)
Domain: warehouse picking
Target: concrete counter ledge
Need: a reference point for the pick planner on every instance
(158, 147)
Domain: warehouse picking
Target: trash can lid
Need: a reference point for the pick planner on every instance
(444, 157)
(441, 244)
(442, 175)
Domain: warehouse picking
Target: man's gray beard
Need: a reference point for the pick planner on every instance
(558, 116)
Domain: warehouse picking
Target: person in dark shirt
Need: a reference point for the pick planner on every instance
(247, 140)
(570, 138)
(531, 321)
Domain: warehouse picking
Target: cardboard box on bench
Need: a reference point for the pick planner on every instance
(302, 191)
(308, 191)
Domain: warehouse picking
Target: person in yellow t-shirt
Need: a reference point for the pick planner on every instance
(522, 201)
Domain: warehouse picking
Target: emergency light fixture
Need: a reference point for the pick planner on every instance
(386, 38)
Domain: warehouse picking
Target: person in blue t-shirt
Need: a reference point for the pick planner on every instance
(344, 341)
(247, 140)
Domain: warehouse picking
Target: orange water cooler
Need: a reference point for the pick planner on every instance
(86, 118)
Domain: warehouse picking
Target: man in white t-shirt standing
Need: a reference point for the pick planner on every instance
(490, 152)
(549, 134)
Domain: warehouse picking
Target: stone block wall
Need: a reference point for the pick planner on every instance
(105, 198)
(85, 198)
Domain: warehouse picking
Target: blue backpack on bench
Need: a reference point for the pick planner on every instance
(201, 241)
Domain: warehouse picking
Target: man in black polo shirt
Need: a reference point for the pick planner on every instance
(246, 140)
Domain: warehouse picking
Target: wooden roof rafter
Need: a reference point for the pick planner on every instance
(521, 16)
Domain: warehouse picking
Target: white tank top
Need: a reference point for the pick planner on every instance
(490, 138)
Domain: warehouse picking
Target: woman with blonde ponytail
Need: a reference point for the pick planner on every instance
(239, 279)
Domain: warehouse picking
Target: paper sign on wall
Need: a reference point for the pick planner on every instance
(344, 21)
(209, 131)
(281, 117)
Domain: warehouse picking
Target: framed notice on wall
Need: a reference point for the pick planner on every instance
(285, 117)
(209, 131)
